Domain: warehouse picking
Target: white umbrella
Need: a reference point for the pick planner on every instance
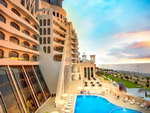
(96, 88)
(87, 87)
(65, 95)
(61, 102)
(80, 88)
(54, 112)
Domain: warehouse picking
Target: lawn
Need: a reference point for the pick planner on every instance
(128, 84)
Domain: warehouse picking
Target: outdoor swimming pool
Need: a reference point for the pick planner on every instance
(97, 104)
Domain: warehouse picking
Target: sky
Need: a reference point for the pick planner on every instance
(116, 31)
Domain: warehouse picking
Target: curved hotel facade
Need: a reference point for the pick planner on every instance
(22, 86)
(38, 54)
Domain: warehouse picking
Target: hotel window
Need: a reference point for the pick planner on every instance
(35, 37)
(2, 105)
(48, 40)
(2, 36)
(15, 11)
(1, 53)
(40, 40)
(13, 54)
(44, 31)
(25, 57)
(24, 88)
(2, 18)
(42, 81)
(14, 40)
(26, 32)
(44, 49)
(48, 49)
(35, 83)
(44, 40)
(61, 16)
(15, 26)
(27, 20)
(34, 58)
(48, 22)
(44, 22)
(40, 22)
(35, 27)
(23, 2)
(40, 31)
(54, 13)
(8, 93)
(57, 14)
(49, 31)
(34, 47)
(26, 44)
(3, 3)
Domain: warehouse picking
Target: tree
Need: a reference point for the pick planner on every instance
(147, 78)
(127, 77)
(145, 90)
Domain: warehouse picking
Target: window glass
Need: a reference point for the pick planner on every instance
(3, 3)
(2, 36)
(14, 40)
(13, 54)
(1, 53)
(24, 88)
(2, 18)
(15, 11)
(34, 81)
(15, 25)
(9, 95)
(49, 49)
(42, 81)
(48, 40)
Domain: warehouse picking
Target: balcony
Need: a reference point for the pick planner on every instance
(19, 47)
(16, 33)
(58, 49)
(58, 58)
(58, 22)
(17, 61)
(58, 42)
(59, 34)
(59, 29)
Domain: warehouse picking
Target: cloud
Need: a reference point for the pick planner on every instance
(133, 34)
(135, 50)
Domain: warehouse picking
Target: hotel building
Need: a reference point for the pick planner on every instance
(22, 86)
(59, 56)
(38, 54)
(87, 67)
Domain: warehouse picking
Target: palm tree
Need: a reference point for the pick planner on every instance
(145, 90)
(147, 78)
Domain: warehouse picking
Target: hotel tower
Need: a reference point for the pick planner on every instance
(38, 54)
(22, 85)
(59, 56)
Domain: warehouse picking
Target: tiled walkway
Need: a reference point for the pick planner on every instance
(48, 107)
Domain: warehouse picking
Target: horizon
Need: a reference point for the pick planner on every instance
(116, 31)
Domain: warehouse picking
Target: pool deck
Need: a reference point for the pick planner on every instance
(73, 89)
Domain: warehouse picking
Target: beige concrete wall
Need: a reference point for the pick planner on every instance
(86, 65)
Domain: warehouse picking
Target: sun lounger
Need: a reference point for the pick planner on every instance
(125, 100)
(143, 105)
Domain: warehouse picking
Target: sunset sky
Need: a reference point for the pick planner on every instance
(116, 31)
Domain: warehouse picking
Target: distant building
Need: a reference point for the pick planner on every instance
(87, 67)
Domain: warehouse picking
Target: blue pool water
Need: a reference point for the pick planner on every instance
(97, 104)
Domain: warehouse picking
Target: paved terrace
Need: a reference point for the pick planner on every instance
(73, 89)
